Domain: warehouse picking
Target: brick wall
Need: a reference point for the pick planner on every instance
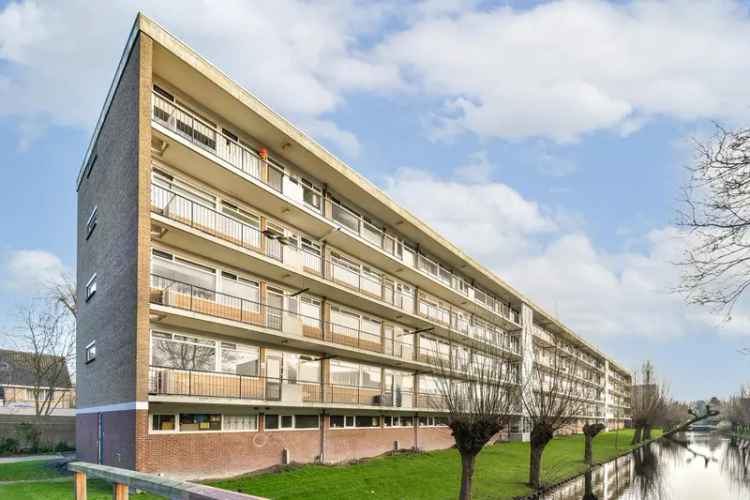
(206, 455)
(54, 428)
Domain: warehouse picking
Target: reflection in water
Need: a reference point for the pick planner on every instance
(692, 466)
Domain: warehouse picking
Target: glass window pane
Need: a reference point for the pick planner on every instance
(239, 359)
(272, 422)
(306, 421)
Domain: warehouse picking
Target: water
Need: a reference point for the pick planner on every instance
(693, 466)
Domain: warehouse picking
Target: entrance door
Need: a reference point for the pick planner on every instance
(274, 373)
(275, 307)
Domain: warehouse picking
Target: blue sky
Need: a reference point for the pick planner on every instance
(548, 139)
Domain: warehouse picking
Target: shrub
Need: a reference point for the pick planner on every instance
(30, 435)
(9, 445)
(62, 446)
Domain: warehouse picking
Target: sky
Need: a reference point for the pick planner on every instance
(547, 139)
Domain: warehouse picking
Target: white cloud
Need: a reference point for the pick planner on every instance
(30, 271)
(551, 259)
(566, 68)
(556, 70)
(299, 57)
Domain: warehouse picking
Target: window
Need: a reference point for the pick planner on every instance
(163, 93)
(391, 421)
(162, 422)
(239, 359)
(200, 422)
(311, 194)
(275, 422)
(91, 223)
(337, 421)
(407, 421)
(91, 287)
(367, 421)
(272, 422)
(91, 351)
(307, 421)
(240, 422)
(182, 352)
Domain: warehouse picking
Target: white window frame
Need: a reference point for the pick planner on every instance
(91, 346)
(90, 287)
(92, 221)
(293, 428)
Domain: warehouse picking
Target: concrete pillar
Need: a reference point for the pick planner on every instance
(606, 395)
(527, 365)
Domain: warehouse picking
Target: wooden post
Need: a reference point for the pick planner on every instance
(119, 491)
(79, 485)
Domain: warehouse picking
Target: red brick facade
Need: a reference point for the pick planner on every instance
(221, 454)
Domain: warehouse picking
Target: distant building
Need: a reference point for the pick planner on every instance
(18, 381)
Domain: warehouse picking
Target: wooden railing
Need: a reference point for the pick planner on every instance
(123, 480)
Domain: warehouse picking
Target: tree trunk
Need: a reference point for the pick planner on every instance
(467, 474)
(637, 435)
(646, 432)
(588, 486)
(588, 454)
(535, 465)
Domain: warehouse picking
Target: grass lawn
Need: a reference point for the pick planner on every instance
(32, 469)
(501, 471)
(48, 490)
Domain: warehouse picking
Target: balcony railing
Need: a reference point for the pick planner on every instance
(168, 292)
(181, 209)
(205, 136)
(208, 220)
(196, 383)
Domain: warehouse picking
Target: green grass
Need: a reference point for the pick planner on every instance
(32, 469)
(97, 490)
(501, 473)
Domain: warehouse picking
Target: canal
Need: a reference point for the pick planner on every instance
(692, 466)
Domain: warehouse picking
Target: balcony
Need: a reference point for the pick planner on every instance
(180, 295)
(176, 207)
(253, 389)
(204, 136)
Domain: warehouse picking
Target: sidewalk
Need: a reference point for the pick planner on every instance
(28, 458)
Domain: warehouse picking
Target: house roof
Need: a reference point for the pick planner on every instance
(16, 368)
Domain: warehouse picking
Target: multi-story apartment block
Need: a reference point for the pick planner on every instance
(247, 299)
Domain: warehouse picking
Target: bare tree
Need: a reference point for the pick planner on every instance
(716, 213)
(47, 336)
(590, 431)
(648, 402)
(62, 293)
(480, 394)
(552, 399)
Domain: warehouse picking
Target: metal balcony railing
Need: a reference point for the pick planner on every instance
(170, 381)
(204, 135)
(207, 220)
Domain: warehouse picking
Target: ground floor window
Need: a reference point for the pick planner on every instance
(200, 422)
(281, 422)
(358, 421)
(163, 422)
(240, 422)
(433, 421)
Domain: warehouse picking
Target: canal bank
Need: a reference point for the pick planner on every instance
(690, 466)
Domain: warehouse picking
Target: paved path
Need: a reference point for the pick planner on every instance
(27, 458)
(32, 481)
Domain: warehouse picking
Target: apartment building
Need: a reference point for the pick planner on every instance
(248, 300)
